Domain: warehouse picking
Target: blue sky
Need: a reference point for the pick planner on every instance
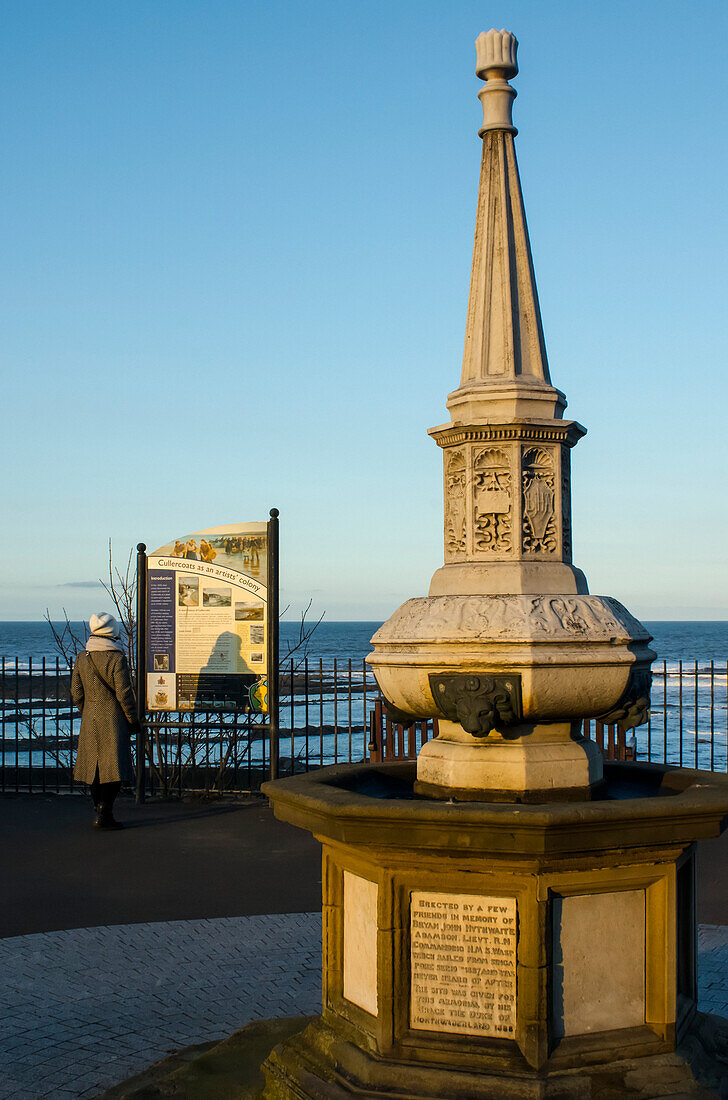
(236, 244)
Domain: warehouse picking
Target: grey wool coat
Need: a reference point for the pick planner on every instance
(102, 691)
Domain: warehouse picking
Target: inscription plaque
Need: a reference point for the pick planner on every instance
(463, 964)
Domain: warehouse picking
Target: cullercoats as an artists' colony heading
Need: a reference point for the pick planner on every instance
(207, 620)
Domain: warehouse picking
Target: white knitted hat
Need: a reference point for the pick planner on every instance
(103, 625)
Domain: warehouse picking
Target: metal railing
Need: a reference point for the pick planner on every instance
(688, 722)
(330, 712)
(38, 726)
(390, 741)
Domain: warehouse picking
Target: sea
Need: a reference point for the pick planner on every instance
(688, 723)
(673, 641)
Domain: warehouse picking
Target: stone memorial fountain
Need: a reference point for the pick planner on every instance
(508, 916)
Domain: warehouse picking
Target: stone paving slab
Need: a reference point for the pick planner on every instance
(84, 1009)
(713, 969)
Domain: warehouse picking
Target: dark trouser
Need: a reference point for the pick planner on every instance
(104, 794)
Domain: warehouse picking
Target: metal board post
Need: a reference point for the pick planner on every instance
(273, 613)
(141, 668)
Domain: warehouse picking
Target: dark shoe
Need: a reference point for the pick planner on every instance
(106, 820)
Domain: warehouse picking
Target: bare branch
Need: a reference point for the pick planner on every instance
(305, 633)
(121, 588)
(67, 643)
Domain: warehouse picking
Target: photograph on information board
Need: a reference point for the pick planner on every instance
(207, 620)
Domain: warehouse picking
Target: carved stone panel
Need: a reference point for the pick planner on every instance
(492, 505)
(455, 505)
(538, 497)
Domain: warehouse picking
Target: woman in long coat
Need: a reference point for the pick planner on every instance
(102, 691)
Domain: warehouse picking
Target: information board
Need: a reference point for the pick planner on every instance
(207, 620)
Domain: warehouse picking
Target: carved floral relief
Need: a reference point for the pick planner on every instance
(538, 489)
(492, 523)
(523, 617)
(455, 507)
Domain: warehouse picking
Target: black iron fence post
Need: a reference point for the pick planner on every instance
(273, 613)
(141, 669)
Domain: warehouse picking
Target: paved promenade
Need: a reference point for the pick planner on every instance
(99, 977)
(111, 1001)
(173, 861)
(85, 1009)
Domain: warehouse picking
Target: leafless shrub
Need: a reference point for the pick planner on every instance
(121, 588)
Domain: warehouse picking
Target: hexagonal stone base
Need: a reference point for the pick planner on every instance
(319, 1063)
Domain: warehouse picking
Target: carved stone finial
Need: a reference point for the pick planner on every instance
(496, 56)
(496, 52)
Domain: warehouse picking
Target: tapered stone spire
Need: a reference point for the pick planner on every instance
(506, 448)
(505, 369)
(508, 649)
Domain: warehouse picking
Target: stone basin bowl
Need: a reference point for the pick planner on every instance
(377, 805)
(576, 656)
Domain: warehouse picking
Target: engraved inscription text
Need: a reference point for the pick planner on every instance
(463, 964)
